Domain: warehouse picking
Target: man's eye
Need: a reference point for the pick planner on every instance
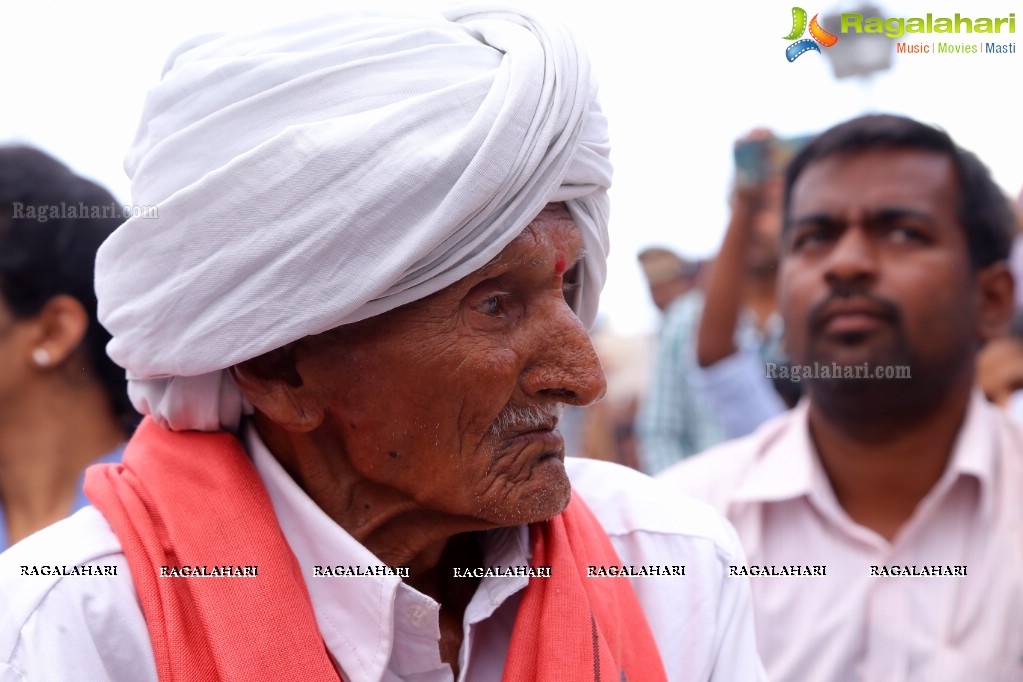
(570, 284)
(809, 238)
(906, 234)
(491, 305)
(568, 290)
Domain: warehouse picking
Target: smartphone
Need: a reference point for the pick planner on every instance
(758, 160)
(783, 149)
(752, 162)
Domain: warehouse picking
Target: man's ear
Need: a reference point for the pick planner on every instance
(272, 383)
(58, 330)
(995, 286)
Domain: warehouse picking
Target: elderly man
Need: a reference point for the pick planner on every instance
(353, 329)
(883, 516)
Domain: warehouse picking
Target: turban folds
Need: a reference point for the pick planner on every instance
(318, 174)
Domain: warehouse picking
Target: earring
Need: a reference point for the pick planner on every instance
(42, 357)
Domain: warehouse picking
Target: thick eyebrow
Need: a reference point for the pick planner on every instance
(890, 215)
(825, 220)
(883, 216)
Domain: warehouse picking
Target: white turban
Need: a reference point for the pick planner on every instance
(318, 174)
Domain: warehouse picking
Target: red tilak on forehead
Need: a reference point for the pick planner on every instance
(559, 264)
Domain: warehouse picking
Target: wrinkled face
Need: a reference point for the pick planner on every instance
(454, 400)
(875, 264)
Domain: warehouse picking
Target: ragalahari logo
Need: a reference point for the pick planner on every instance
(819, 35)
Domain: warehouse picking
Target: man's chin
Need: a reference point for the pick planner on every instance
(855, 350)
(541, 497)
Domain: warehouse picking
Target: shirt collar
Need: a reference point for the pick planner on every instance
(784, 463)
(977, 449)
(362, 642)
(787, 465)
(359, 625)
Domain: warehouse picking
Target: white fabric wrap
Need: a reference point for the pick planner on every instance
(328, 171)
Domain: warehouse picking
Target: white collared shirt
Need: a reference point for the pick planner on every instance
(379, 628)
(850, 625)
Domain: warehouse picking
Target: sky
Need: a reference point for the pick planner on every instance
(679, 82)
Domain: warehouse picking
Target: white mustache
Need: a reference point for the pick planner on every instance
(520, 419)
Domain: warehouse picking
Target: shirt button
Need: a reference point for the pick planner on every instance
(416, 616)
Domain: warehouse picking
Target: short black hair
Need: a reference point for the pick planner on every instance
(984, 210)
(45, 253)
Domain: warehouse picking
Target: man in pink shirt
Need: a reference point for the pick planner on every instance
(882, 517)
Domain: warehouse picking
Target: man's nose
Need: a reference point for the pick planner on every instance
(853, 259)
(564, 363)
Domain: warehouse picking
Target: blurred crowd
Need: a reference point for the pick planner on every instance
(665, 401)
(844, 382)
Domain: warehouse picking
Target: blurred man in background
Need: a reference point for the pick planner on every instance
(889, 499)
(707, 383)
(1000, 369)
(672, 421)
(669, 276)
(740, 330)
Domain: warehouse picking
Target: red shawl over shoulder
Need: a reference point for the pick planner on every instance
(184, 498)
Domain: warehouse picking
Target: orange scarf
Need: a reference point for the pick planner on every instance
(180, 498)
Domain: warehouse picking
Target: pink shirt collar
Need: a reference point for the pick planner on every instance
(787, 465)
